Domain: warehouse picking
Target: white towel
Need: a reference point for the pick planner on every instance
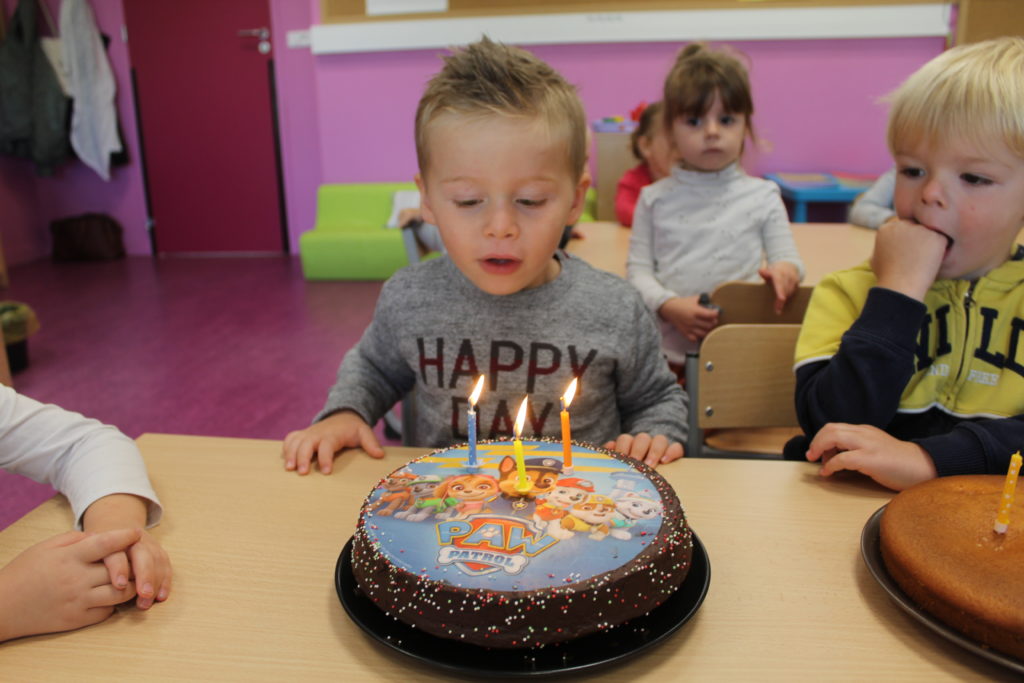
(91, 82)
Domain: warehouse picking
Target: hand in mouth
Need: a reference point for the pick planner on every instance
(949, 240)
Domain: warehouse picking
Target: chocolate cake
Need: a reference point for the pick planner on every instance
(462, 554)
(938, 544)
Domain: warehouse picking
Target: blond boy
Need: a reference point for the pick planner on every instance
(500, 138)
(912, 366)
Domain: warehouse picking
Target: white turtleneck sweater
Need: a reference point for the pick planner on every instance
(693, 231)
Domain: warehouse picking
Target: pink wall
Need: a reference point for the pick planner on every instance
(348, 118)
(815, 100)
(298, 125)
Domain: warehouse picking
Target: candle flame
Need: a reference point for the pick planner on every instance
(521, 417)
(475, 396)
(569, 393)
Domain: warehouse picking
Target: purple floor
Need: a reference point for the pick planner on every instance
(238, 347)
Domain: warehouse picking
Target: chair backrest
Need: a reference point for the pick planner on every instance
(746, 377)
(754, 302)
(412, 249)
(409, 436)
(614, 157)
(355, 206)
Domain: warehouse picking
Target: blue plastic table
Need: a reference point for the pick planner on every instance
(823, 187)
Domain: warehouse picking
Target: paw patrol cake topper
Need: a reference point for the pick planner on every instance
(479, 529)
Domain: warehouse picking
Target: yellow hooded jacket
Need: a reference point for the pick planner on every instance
(868, 355)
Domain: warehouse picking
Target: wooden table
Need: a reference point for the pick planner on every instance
(254, 550)
(824, 247)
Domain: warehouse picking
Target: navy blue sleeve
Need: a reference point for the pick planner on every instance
(862, 383)
(982, 447)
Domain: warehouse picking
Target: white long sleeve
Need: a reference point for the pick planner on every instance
(94, 134)
(693, 231)
(874, 207)
(82, 458)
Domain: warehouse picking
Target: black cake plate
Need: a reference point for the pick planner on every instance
(871, 550)
(583, 654)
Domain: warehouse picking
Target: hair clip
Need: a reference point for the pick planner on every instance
(636, 112)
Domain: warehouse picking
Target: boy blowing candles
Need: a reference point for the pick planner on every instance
(500, 140)
(912, 366)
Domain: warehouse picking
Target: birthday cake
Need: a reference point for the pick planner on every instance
(464, 553)
(938, 544)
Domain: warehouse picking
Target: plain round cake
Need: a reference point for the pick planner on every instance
(461, 554)
(938, 544)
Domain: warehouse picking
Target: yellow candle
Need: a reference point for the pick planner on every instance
(566, 433)
(522, 485)
(1003, 518)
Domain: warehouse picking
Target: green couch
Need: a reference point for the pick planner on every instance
(349, 240)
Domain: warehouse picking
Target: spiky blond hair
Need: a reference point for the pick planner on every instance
(975, 91)
(488, 78)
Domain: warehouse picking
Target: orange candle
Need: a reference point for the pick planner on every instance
(522, 485)
(1009, 487)
(566, 433)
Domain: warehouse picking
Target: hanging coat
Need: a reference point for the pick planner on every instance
(33, 109)
(94, 134)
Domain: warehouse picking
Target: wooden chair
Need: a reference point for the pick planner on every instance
(745, 390)
(614, 157)
(744, 303)
(754, 302)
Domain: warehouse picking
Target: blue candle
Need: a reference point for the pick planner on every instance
(471, 421)
(471, 414)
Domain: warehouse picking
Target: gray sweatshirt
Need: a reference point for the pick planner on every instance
(434, 329)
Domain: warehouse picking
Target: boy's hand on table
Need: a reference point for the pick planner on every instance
(687, 315)
(145, 560)
(907, 257)
(151, 569)
(654, 451)
(344, 429)
(61, 584)
(784, 278)
(892, 463)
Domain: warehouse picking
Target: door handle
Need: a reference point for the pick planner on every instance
(261, 33)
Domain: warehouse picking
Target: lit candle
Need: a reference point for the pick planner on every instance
(566, 434)
(1003, 518)
(522, 485)
(471, 421)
